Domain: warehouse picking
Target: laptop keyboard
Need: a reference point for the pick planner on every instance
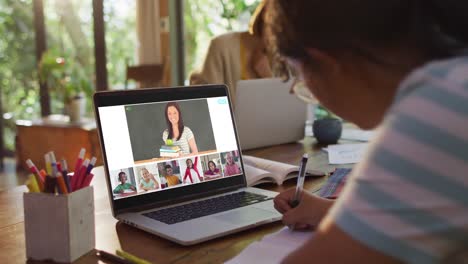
(202, 208)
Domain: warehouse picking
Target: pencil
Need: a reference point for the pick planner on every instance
(31, 183)
(39, 179)
(61, 183)
(130, 257)
(111, 257)
(48, 164)
(65, 174)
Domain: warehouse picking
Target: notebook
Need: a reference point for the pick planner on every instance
(272, 248)
(267, 114)
(173, 165)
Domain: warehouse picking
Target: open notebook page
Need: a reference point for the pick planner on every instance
(270, 165)
(272, 248)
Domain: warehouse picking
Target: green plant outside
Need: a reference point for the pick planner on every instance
(19, 74)
(65, 78)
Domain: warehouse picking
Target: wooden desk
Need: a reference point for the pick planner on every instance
(111, 235)
(36, 138)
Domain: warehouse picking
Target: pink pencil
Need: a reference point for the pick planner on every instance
(79, 161)
(80, 175)
(87, 172)
(87, 180)
(78, 164)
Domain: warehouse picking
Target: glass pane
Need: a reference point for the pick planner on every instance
(68, 64)
(121, 39)
(18, 83)
(205, 19)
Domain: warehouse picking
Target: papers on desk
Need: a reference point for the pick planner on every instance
(272, 248)
(357, 134)
(346, 153)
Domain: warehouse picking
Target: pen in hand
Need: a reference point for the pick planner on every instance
(300, 182)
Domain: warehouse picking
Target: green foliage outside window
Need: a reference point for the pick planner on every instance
(18, 82)
(69, 29)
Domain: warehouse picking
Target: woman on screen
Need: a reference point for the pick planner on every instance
(176, 132)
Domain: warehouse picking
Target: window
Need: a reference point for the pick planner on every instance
(205, 19)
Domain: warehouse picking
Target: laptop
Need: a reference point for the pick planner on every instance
(189, 189)
(267, 114)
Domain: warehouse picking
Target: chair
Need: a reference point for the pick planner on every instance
(148, 75)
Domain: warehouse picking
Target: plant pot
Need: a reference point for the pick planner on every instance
(327, 130)
(77, 108)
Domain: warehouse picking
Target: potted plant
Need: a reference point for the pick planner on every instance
(67, 82)
(327, 127)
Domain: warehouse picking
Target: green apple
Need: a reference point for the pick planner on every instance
(169, 142)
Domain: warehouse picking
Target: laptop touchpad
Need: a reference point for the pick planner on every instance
(245, 215)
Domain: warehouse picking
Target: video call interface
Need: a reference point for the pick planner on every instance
(155, 147)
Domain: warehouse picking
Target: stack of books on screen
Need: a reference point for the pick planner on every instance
(170, 151)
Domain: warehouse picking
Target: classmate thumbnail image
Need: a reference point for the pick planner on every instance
(169, 173)
(231, 163)
(191, 170)
(123, 182)
(211, 165)
(148, 177)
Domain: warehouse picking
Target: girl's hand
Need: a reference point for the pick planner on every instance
(307, 214)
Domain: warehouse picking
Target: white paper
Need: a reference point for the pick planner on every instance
(346, 153)
(357, 134)
(272, 248)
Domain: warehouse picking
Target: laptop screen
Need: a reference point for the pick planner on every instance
(155, 147)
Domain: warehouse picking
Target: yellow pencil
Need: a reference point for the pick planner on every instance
(48, 164)
(32, 185)
(131, 257)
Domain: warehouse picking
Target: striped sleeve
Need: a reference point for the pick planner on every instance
(188, 134)
(165, 135)
(409, 197)
(183, 142)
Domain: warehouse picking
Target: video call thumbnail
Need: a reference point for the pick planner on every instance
(168, 174)
(231, 163)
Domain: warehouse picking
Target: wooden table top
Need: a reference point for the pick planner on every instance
(112, 235)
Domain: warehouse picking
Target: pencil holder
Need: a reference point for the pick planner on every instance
(59, 227)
